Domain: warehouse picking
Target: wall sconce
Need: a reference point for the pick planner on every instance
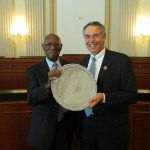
(19, 29)
(142, 31)
(143, 37)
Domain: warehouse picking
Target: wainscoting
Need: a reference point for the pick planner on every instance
(15, 113)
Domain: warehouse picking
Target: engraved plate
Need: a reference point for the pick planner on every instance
(74, 87)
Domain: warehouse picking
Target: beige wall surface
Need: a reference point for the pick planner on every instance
(123, 23)
(67, 18)
(72, 15)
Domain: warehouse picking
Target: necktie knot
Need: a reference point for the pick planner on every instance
(54, 65)
(93, 59)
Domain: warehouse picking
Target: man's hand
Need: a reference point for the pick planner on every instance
(96, 99)
(52, 75)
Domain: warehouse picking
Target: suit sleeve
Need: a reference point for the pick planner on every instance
(37, 92)
(125, 91)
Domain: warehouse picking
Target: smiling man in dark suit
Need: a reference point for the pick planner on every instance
(106, 127)
(50, 129)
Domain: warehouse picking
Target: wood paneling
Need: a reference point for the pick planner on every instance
(141, 68)
(5, 65)
(13, 81)
(140, 126)
(75, 58)
(14, 124)
(15, 115)
(12, 70)
(15, 119)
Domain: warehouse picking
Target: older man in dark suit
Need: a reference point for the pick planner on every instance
(105, 124)
(49, 130)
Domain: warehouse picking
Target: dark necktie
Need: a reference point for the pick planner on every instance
(61, 110)
(88, 111)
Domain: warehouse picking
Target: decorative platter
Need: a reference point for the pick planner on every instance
(74, 87)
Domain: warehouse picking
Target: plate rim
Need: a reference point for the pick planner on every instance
(67, 106)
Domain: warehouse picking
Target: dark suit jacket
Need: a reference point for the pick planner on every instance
(45, 108)
(116, 79)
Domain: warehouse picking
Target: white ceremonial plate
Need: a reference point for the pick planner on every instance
(74, 87)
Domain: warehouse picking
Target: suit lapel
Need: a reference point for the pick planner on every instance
(44, 69)
(104, 67)
(86, 61)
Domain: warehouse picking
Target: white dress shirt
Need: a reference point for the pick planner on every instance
(50, 63)
(99, 58)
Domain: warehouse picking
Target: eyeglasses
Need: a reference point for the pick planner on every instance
(47, 46)
(86, 36)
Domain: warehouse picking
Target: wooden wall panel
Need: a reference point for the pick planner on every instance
(5, 65)
(140, 126)
(15, 120)
(12, 70)
(143, 80)
(14, 125)
(13, 81)
(74, 58)
(141, 68)
(15, 115)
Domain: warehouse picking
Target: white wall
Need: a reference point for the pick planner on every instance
(72, 15)
(70, 18)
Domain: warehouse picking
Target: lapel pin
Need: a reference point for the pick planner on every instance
(105, 68)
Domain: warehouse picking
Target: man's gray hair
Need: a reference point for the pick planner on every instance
(96, 23)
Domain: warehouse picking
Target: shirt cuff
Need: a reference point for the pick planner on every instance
(103, 101)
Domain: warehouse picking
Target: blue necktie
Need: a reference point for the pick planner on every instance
(54, 65)
(88, 111)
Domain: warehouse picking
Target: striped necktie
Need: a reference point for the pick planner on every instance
(88, 111)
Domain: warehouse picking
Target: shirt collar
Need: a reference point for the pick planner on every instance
(100, 54)
(50, 63)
